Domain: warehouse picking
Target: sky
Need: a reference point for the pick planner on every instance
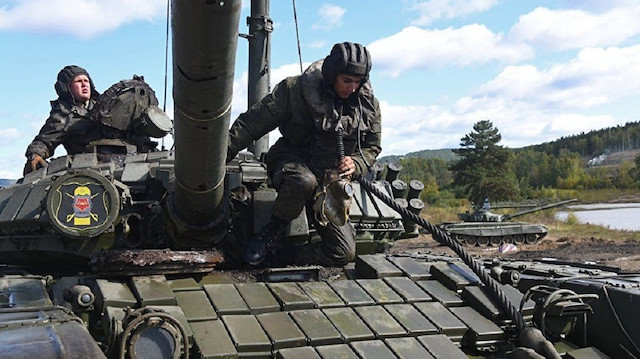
(539, 70)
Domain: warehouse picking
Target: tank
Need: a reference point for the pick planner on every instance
(128, 258)
(485, 228)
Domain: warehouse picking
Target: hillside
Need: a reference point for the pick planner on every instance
(616, 158)
(596, 142)
(6, 182)
(620, 143)
(445, 154)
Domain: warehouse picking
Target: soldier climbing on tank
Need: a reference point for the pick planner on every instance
(120, 121)
(332, 95)
(68, 123)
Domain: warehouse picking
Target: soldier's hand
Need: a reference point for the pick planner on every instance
(346, 166)
(34, 163)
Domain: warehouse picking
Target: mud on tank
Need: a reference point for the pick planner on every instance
(144, 278)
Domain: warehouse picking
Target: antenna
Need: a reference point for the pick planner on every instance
(295, 19)
(166, 61)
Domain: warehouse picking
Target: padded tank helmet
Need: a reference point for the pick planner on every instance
(66, 76)
(347, 58)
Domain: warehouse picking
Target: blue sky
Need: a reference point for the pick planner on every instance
(539, 70)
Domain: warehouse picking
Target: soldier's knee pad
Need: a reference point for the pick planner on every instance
(307, 181)
(296, 177)
(345, 257)
(344, 253)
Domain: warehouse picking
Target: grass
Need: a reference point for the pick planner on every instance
(606, 195)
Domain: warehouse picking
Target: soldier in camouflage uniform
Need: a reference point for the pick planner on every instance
(68, 123)
(117, 123)
(307, 109)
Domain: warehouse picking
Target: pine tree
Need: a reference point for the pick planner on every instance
(485, 168)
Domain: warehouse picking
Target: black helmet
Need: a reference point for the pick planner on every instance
(347, 58)
(66, 76)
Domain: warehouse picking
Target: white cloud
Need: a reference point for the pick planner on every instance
(414, 48)
(12, 163)
(9, 133)
(414, 128)
(573, 29)
(318, 44)
(80, 18)
(330, 17)
(596, 76)
(523, 123)
(448, 9)
(285, 71)
(10, 174)
(240, 94)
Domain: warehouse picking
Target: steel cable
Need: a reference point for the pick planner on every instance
(443, 238)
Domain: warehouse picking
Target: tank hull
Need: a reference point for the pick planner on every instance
(411, 305)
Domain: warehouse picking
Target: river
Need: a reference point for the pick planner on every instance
(623, 216)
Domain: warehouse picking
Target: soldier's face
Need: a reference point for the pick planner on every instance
(81, 88)
(344, 85)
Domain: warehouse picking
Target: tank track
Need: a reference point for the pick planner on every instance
(494, 241)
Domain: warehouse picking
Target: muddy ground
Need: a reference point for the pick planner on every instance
(622, 254)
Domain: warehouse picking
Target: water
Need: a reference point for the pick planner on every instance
(623, 216)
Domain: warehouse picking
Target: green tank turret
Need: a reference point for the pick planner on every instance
(129, 257)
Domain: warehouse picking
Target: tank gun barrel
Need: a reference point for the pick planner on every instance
(205, 36)
(499, 206)
(540, 208)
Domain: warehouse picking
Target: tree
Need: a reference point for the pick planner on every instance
(485, 169)
(626, 174)
(635, 171)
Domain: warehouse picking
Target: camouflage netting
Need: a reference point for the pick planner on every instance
(132, 106)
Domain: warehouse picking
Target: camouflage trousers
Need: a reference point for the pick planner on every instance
(296, 184)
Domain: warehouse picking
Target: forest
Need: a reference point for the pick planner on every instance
(481, 167)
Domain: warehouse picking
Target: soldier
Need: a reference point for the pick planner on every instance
(308, 109)
(119, 122)
(68, 123)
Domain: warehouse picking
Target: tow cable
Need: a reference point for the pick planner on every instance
(529, 337)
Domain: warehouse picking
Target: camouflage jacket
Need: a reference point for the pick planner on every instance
(307, 111)
(68, 125)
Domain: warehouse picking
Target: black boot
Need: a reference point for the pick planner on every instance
(281, 256)
(256, 250)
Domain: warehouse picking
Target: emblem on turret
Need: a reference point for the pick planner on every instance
(82, 204)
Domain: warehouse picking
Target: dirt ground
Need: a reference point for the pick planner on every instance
(622, 254)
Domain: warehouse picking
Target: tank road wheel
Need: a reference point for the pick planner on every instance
(458, 238)
(518, 238)
(483, 241)
(462, 239)
(473, 241)
(507, 239)
(495, 241)
(530, 238)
